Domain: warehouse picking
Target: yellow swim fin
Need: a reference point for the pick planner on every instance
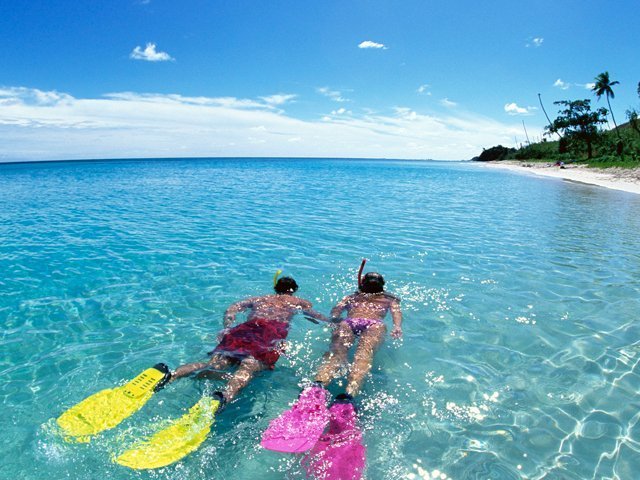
(176, 441)
(107, 408)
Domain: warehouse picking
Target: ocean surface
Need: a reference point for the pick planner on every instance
(521, 300)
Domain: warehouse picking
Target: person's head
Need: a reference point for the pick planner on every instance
(285, 285)
(372, 282)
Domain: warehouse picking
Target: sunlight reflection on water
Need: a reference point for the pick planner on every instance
(521, 348)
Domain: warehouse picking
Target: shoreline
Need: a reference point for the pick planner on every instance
(626, 180)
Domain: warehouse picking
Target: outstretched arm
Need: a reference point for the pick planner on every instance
(311, 314)
(235, 308)
(340, 307)
(396, 315)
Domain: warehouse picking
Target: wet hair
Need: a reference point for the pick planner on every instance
(286, 285)
(372, 282)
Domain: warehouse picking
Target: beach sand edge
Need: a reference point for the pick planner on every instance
(627, 180)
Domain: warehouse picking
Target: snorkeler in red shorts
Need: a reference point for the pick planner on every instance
(256, 344)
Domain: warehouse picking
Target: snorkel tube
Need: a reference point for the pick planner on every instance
(364, 261)
(275, 277)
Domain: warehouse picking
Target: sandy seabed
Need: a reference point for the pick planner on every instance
(627, 180)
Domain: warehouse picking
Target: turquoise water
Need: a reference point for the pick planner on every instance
(521, 354)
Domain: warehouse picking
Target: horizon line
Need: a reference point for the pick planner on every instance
(138, 159)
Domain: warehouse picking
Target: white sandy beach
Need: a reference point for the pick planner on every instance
(627, 180)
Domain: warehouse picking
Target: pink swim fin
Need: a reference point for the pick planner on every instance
(340, 453)
(298, 429)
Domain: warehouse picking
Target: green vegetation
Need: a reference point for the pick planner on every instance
(581, 137)
(579, 126)
(632, 115)
(603, 87)
(495, 153)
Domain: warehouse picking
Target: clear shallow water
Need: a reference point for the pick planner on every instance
(521, 297)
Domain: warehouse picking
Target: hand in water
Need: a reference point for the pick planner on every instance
(396, 332)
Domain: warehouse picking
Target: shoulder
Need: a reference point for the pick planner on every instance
(304, 303)
(348, 298)
(391, 297)
(252, 300)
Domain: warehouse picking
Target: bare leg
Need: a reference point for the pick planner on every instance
(217, 362)
(341, 341)
(241, 377)
(213, 374)
(369, 342)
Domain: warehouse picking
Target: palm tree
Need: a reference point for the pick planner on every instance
(603, 86)
(548, 119)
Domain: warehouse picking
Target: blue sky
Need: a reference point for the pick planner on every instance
(394, 79)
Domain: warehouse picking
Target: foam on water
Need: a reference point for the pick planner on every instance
(521, 352)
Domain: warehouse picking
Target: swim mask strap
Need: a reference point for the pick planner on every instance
(275, 277)
(364, 260)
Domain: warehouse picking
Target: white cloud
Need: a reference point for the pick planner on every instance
(149, 54)
(424, 89)
(36, 124)
(445, 102)
(514, 109)
(534, 42)
(278, 99)
(227, 102)
(32, 96)
(406, 113)
(334, 95)
(370, 44)
(341, 111)
(567, 85)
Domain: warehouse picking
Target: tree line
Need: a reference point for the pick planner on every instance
(579, 129)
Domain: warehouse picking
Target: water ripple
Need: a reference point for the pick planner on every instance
(521, 354)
